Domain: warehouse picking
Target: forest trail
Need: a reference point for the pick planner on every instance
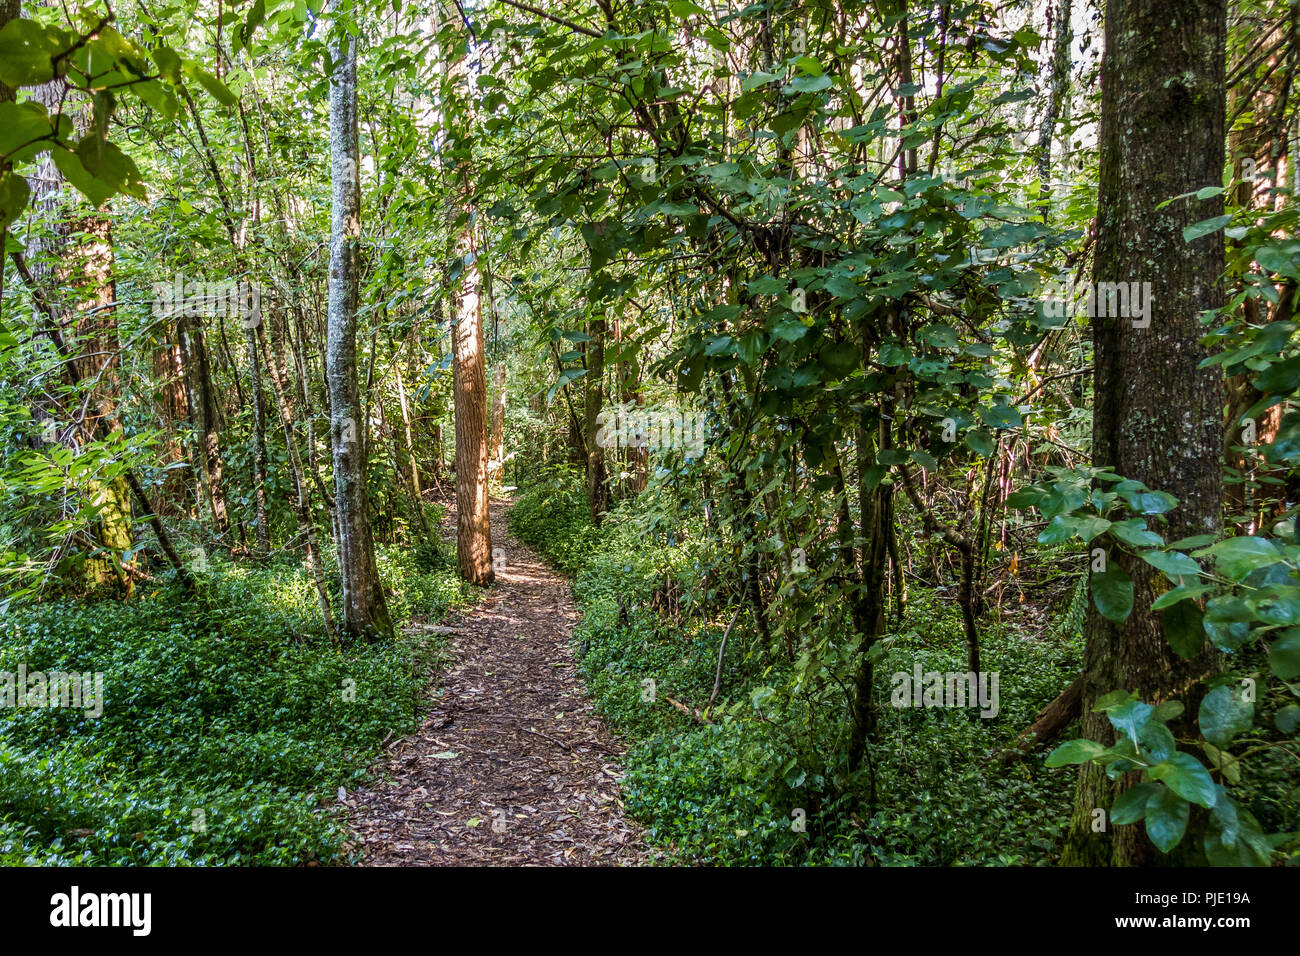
(510, 765)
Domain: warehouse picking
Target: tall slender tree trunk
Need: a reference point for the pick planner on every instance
(194, 349)
(497, 458)
(365, 612)
(469, 393)
(597, 491)
(1162, 134)
(1059, 15)
(469, 371)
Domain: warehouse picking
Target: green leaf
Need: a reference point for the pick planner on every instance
(1234, 837)
(1227, 622)
(1090, 526)
(1224, 714)
(1166, 818)
(1073, 752)
(1237, 557)
(1148, 502)
(1205, 227)
(808, 84)
(1115, 698)
(1284, 654)
(980, 442)
(1185, 775)
(839, 358)
(1001, 416)
(1184, 627)
(26, 49)
(1112, 592)
(1184, 592)
(24, 130)
(1133, 532)
(1130, 718)
(790, 330)
(111, 166)
(13, 198)
(757, 79)
(1287, 719)
(220, 92)
(1174, 563)
(1130, 806)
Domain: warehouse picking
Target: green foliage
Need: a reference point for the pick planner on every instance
(732, 792)
(227, 724)
(555, 517)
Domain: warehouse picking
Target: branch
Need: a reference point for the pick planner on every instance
(575, 27)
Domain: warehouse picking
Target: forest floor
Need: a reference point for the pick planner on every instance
(510, 765)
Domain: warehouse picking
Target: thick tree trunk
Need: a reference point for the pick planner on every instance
(1162, 134)
(365, 612)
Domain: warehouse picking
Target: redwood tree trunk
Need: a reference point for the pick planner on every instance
(469, 392)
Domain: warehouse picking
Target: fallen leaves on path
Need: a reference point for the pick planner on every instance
(510, 766)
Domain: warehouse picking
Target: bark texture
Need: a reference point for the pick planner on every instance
(365, 612)
(1157, 416)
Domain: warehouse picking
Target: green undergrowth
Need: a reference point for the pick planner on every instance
(228, 724)
(739, 791)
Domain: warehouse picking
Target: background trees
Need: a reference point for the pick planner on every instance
(848, 244)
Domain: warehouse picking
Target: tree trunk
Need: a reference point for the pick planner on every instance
(1162, 134)
(497, 461)
(1058, 88)
(469, 393)
(365, 613)
(597, 494)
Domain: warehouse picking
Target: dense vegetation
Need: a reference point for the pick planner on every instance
(909, 389)
(232, 723)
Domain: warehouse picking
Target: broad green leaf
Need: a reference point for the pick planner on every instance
(1112, 592)
(1284, 654)
(1205, 227)
(1130, 718)
(1130, 806)
(1236, 557)
(1184, 627)
(1166, 818)
(1174, 563)
(1185, 775)
(1224, 714)
(1073, 752)
(26, 52)
(13, 198)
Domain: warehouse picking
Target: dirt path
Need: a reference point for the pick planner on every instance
(510, 766)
